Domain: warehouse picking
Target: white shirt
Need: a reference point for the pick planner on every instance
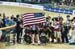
(56, 25)
(33, 27)
(74, 25)
(68, 23)
(0, 33)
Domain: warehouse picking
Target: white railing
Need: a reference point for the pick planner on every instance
(22, 5)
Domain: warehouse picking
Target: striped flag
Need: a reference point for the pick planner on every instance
(33, 18)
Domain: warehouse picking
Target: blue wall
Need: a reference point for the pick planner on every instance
(58, 10)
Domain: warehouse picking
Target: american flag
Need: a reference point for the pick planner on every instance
(33, 18)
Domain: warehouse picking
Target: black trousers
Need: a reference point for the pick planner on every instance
(21, 31)
(64, 36)
(51, 34)
(19, 34)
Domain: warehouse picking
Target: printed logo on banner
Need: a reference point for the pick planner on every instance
(59, 10)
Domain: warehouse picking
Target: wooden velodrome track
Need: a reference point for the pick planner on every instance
(9, 10)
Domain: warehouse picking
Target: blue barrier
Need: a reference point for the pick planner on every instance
(58, 10)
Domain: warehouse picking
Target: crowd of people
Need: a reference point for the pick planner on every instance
(68, 3)
(65, 2)
(54, 30)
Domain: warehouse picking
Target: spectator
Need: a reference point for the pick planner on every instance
(0, 30)
(49, 31)
(34, 34)
(3, 25)
(18, 28)
(72, 33)
(66, 29)
(3, 38)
